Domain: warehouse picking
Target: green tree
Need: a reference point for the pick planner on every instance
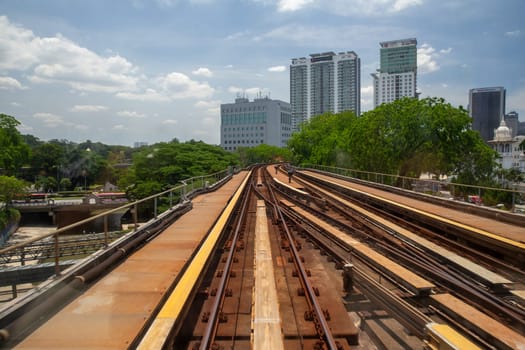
(15, 152)
(263, 154)
(48, 158)
(10, 188)
(163, 165)
(322, 140)
(65, 184)
(405, 137)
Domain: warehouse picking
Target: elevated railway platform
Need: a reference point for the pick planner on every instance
(486, 225)
(114, 311)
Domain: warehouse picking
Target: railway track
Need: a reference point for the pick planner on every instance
(291, 264)
(303, 317)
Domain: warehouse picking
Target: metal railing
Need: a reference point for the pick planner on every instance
(162, 202)
(428, 186)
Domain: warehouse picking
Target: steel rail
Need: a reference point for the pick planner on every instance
(321, 323)
(431, 266)
(213, 321)
(406, 314)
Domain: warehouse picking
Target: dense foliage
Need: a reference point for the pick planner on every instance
(406, 137)
(10, 188)
(263, 154)
(163, 165)
(14, 151)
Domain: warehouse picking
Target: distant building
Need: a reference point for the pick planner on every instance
(252, 123)
(139, 144)
(325, 82)
(397, 74)
(511, 156)
(512, 121)
(486, 108)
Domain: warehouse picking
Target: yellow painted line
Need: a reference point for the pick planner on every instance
(442, 336)
(505, 240)
(159, 330)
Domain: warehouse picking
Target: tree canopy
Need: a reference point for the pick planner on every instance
(163, 165)
(263, 154)
(15, 152)
(406, 137)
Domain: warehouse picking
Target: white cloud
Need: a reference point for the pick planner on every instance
(204, 72)
(513, 34)
(15, 104)
(427, 58)
(235, 90)
(238, 35)
(400, 5)
(277, 69)
(149, 95)
(50, 120)
(131, 114)
(88, 108)
(59, 60)
(169, 122)
(177, 85)
(292, 5)
(119, 127)
(8, 83)
(345, 7)
(211, 107)
(323, 36)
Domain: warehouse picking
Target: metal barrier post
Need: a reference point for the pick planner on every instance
(106, 230)
(155, 207)
(135, 210)
(57, 262)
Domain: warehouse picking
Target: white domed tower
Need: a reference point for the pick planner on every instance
(507, 146)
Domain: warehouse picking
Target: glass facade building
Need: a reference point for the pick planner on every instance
(487, 110)
(397, 74)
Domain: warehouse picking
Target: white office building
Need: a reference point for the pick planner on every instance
(324, 82)
(252, 123)
(397, 76)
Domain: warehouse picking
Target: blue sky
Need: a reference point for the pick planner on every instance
(152, 70)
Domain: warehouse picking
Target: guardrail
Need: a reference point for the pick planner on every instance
(428, 186)
(162, 202)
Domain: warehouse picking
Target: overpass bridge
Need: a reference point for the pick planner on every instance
(64, 212)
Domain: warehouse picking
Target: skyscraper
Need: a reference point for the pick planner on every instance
(325, 82)
(397, 74)
(487, 109)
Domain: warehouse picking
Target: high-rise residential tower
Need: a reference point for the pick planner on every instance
(325, 82)
(397, 74)
(487, 110)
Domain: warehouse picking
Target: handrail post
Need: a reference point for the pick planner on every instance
(171, 199)
(135, 210)
(155, 207)
(106, 230)
(57, 260)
